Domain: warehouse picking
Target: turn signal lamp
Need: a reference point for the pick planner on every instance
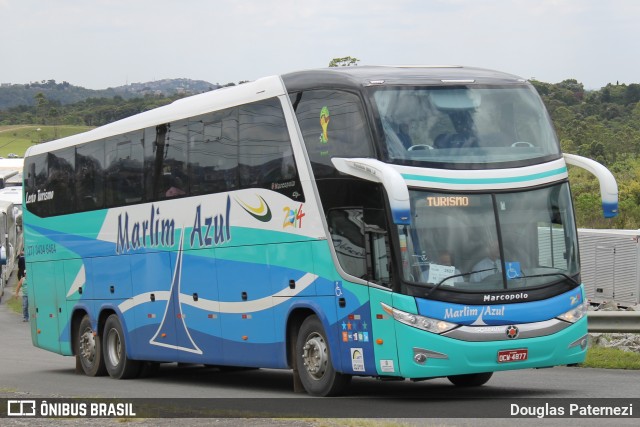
(576, 313)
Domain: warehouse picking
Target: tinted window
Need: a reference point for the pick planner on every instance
(265, 154)
(36, 179)
(90, 176)
(175, 178)
(200, 155)
(153, 153)
(61, 165)
(333, 125)
(124, 169)
(213, 152)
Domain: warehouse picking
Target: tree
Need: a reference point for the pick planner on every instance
(347, 61)
(41, 103)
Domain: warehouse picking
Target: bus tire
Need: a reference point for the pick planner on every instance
(313, 359)
(470, 380)
(88, 348)
(118, 365)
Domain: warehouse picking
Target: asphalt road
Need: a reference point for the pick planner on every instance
(30, 372)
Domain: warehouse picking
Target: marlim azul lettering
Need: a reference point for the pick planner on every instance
(157, 231)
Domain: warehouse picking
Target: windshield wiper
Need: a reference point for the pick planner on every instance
(569, 278)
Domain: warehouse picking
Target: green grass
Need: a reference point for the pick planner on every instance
(15, 304)
(611, 358)
(17, 138)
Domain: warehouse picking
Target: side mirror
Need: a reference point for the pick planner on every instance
(3, 255)
(608, 185)
(391, 180)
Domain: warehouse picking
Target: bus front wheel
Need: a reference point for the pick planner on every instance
(118, 365)
(88, 348)
(313, 359)
(470, 380)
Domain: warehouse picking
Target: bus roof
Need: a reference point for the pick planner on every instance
(5, 205)
(374, 75)
(16, 164)
(11, 194)
(266, 87)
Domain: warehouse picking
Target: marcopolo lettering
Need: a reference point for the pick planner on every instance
(283, 185)
(505, 297)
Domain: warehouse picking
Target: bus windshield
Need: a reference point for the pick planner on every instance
(490, 242)
(464, 125)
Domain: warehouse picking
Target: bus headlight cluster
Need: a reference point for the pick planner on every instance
(575, 313)
(435, 326)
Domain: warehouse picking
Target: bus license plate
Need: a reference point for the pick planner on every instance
(518, 355)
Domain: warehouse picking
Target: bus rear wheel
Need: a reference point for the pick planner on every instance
(313, 359)
(88, 348)
(470, 380)
(118, 365)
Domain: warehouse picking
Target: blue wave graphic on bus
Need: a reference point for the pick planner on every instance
(180, 328)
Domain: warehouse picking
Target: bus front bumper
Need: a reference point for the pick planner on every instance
(425, 355)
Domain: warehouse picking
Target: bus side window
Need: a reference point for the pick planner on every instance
(213, 152)
(361, 242)
(347, 232)
(36, 179)
(265, 154)
(60, 181)
(175, 181)
(124, 169)
(89, 177)
(333, 125)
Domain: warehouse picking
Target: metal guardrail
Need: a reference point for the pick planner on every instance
(614, 321)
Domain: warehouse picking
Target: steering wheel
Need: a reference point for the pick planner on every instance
(420, 147)
(522, 144)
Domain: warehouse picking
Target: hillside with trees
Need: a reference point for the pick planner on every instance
(600, 124)
(16, 95)
(603, 125)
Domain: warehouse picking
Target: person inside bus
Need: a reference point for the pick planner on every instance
(402, 131)
(398, 116)
(445, 259)
(395, 146)
(491, 264)
(176, 188)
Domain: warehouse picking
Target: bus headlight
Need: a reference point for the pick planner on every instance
(435, 326)
(576, 313)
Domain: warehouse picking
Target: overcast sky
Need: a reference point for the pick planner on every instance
(105, 43)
